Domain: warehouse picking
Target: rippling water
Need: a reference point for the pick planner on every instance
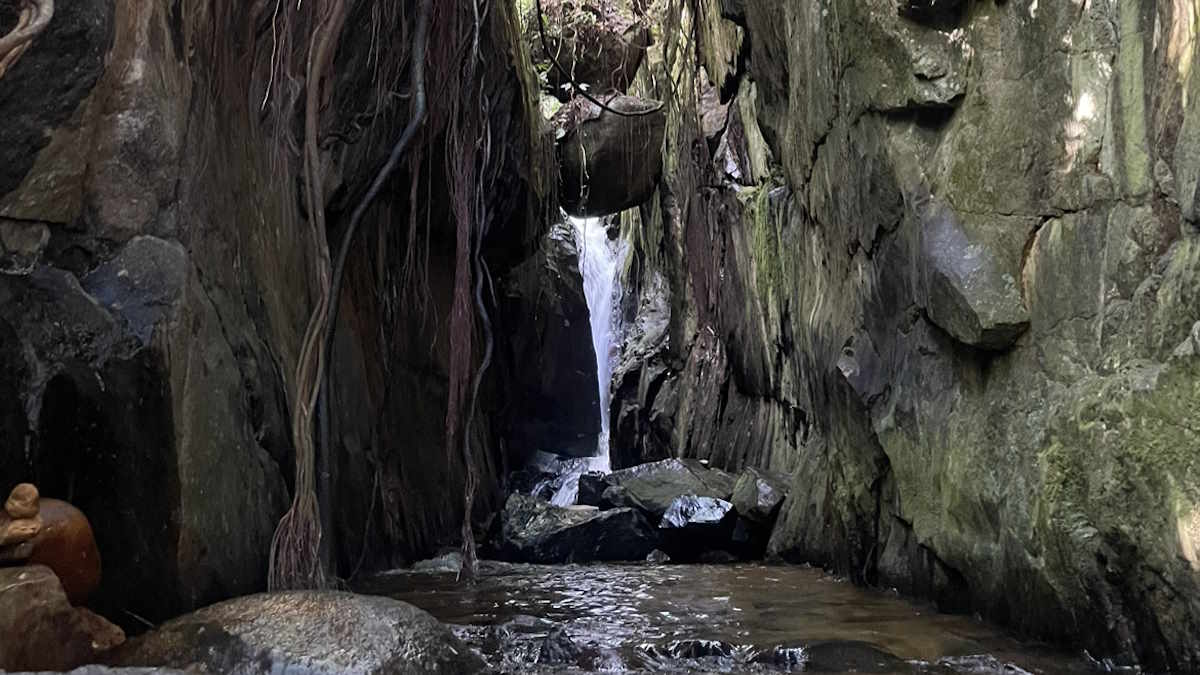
(706, 618)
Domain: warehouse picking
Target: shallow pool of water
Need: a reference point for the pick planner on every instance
(707, 618)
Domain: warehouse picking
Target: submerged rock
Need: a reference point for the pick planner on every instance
(304, 632)
(535, 531)
(40, 630)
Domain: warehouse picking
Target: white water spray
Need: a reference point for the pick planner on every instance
(599, 261)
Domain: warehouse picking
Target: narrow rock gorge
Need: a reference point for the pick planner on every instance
(652, 303)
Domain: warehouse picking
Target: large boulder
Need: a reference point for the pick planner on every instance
(532, 530)
(653, 487)
(304, 632)
(609, 161)
(40, 630)
(554, 401)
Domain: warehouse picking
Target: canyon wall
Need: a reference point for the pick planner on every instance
(157, 278)
(941, 264)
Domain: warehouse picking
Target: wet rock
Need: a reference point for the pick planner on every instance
(784, 658)
(971, 297)
(591, 489)
(142, 285)
(21, 245)
(720, 482)
(653, 487)
(40, 630)
(608, 162)
(690, 512)
(984, 664)
(447, 563)
(716, 557)
(534, 531)
(67, 546)
(758, 495)
(839, 656)
(554, 405)
(558, 648)
(304, 632)
(658, 557)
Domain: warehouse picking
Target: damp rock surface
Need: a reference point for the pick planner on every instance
(309, 632)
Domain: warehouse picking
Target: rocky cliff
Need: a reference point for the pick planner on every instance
(939, 262)
(157, 278)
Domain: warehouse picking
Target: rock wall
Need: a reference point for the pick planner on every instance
(940, 264)
(157, 279)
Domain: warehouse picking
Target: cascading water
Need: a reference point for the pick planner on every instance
(599, 260)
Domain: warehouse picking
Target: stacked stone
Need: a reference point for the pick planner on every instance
(20, 523)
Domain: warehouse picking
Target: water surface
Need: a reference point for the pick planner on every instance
(707, 618)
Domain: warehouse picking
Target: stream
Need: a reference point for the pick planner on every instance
(706, 618)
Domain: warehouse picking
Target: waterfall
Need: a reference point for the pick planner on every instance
(599, 262)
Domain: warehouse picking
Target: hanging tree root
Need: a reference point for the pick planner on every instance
(295, 548)
(34, 17)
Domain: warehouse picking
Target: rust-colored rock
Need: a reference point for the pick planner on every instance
(40, 630)
(18, 531)
(67, 546)
(22, 501)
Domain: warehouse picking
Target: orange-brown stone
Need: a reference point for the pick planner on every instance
(22, 502)
(67, 546)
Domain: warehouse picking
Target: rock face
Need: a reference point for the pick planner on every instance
(306, 632)
(532, 530)
(157, 276)
(957, 311)
(690, 512)
(40, 630)
(609, 162)
(554, 406)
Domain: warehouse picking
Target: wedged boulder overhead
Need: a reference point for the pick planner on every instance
(532, 530)
(609, 161)
(600, 45)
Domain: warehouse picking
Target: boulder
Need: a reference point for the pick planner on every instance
(719, 481)
(535, 531)
(304, 632)
(699, 528)
(40, 630)
(67, 546)
(970, 295)
(609, 162)
(758, 495)
(701, 514)
(654, 486)
(591, 490)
